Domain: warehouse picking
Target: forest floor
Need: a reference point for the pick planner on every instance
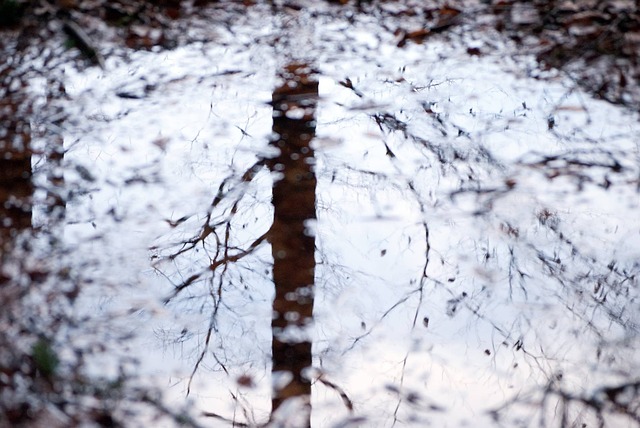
(597, 43)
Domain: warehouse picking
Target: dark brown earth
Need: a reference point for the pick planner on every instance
(596, 42)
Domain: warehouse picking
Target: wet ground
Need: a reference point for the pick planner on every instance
(304, 217)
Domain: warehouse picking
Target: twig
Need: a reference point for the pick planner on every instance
(83, 42)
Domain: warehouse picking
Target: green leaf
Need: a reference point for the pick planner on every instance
(44, 357)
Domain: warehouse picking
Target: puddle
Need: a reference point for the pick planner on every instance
(465, 240)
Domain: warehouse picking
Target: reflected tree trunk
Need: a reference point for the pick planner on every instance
(16, 173)
(16, 188)
(292, 238)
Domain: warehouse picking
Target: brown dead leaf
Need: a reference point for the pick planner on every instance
(246, 381)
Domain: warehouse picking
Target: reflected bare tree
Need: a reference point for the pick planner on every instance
(292, 240)
(512, 265)
(38, 385)
(543, 259)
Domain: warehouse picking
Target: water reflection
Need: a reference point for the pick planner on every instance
(503, 280)
(33, 309)
(292, 246)
(415, 225)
